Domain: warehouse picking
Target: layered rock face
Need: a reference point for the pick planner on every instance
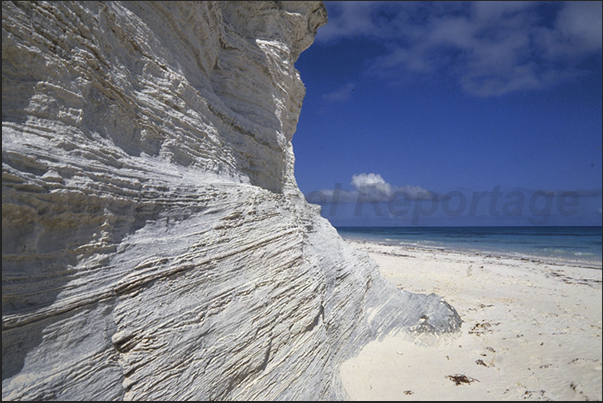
(154, 242)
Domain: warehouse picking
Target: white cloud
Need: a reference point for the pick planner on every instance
(369, 188)
(372, 185)
(487, 11)
(360, 180)
(492, 48)
(580, 23)
(351, 18)
(341, 95)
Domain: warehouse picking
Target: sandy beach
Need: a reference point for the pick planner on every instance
(531, 331)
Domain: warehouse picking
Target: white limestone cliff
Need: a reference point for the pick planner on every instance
(154, 242)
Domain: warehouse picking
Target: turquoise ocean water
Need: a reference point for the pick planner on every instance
(580, 245)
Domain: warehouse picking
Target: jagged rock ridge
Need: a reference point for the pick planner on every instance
(154, 242)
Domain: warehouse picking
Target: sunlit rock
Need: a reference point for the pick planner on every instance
(154, 242)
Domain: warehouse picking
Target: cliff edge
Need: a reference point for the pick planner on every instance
(154, 242)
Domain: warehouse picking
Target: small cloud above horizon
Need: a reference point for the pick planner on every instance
(374, 201)
(490, 48)
(368, 187)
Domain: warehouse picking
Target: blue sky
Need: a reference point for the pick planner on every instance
(407, 102)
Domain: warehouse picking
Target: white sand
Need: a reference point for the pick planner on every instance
(531, 331)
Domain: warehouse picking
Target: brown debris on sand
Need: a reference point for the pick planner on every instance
(459, 379)
(482, 328)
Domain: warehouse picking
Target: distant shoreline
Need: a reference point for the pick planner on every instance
(490, 254)
(580, 246)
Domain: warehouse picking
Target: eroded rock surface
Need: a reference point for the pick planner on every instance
(154, 242)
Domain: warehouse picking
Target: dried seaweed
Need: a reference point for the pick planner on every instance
(460, 379)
